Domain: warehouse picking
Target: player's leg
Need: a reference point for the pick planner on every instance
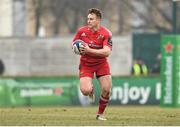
(105, 80)
(106, 84)
(86, 85)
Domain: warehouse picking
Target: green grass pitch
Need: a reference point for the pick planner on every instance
(85, 116)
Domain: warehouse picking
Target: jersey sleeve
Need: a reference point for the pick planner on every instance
(108, 40)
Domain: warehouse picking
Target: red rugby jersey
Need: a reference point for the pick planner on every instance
(95, 40)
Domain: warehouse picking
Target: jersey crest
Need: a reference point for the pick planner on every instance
(100, 37)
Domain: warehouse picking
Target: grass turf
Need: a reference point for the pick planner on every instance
(85, 116)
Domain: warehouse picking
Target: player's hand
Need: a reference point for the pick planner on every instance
(84, 48)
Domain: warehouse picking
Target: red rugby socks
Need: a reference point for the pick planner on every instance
(102, 104)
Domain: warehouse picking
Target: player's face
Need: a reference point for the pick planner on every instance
(93, 21)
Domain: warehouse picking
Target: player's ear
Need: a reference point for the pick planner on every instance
(99, 19)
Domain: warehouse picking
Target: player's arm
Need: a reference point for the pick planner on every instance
(104, 52)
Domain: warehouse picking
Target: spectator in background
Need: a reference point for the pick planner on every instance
(156, 67)
(2, 68)
(139, 68)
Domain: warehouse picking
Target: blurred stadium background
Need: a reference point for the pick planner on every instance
(38, 67)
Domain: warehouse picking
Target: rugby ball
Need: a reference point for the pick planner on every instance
(76, 46)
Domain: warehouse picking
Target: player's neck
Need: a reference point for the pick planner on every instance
(95, 28)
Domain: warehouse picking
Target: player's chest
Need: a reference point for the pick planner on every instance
(90, 37)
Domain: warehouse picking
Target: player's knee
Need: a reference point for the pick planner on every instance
(86, 91)
(106, 92)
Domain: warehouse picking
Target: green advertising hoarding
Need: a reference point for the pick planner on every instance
(17, 93)
(134, 90)
(65, 91)
(170, 71)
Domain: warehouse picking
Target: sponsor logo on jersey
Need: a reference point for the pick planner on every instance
(93, 45)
